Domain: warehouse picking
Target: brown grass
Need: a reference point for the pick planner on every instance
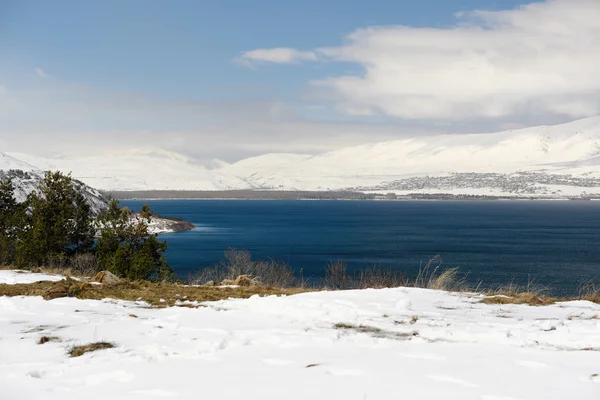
(78, 351)
(272, 276)
(150, 292)
(534, 295)
(433, 276)
(336, 276)
(532, 299)
(590, 292)
(357, 328)
(376, 332)
(46, 339)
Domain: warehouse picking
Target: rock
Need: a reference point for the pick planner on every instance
(106, 278)
(227, 282)
(209, 283)
(244, 280)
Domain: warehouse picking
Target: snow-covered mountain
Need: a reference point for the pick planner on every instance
(134, 170)
(8, 163)
(560, 160)
(26, 178)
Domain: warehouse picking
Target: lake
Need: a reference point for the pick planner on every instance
(555, 243)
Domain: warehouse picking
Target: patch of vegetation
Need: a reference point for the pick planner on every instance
(530, 294)
(239, 263)
(535, 295)
(357, 328)
(376, 332)
(54, 227)
(172, 294)
(529, 298)
(46, 339)
(433, 276)
(590, 292)
(78, 351)
(430, 276)
(413, 320)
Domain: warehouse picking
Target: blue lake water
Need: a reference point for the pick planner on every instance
(556, 243)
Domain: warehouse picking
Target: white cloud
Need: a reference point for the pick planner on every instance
(279, 55)
(539, 59)
(41, 73)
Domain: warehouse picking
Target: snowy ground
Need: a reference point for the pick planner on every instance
(415, 344)
(17, 276)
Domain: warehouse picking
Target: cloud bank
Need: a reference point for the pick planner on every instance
(493, 70)
(538, 59)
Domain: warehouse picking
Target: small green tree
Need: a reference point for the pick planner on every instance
(12, 217)
(82, 235)
(127, 248)
(58, 224)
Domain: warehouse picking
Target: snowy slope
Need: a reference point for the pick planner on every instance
(7, 163)
(414, 344)
(13, 277)
(26, 178)
(135, 170)
(568, 150)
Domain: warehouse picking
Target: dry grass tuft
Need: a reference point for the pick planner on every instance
(433, 276)
(531, 294)
(336, 276)
(532, 299)
(358, 328)
(377, 332)
(379, 278)
(590, 292)
(46, 339)
(78, 351)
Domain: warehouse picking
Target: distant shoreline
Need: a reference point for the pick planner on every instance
(316, 195)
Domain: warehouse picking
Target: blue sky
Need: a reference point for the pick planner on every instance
(76, 69)
(184, 49)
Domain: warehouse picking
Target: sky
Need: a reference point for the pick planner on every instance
(229, 79)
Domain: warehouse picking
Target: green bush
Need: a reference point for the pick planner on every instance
(127, 249)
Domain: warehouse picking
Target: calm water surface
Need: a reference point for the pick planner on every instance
(555, 242)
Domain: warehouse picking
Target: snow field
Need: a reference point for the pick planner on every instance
(389, 344)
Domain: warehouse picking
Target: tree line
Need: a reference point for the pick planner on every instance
(56, 225)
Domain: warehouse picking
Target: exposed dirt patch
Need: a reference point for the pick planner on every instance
(46, 339)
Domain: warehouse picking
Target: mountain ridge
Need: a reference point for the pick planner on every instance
(571, 151)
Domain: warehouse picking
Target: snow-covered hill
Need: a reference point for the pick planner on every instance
(561, 160)
(8, 163)
(26, 178)
(135, 170)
